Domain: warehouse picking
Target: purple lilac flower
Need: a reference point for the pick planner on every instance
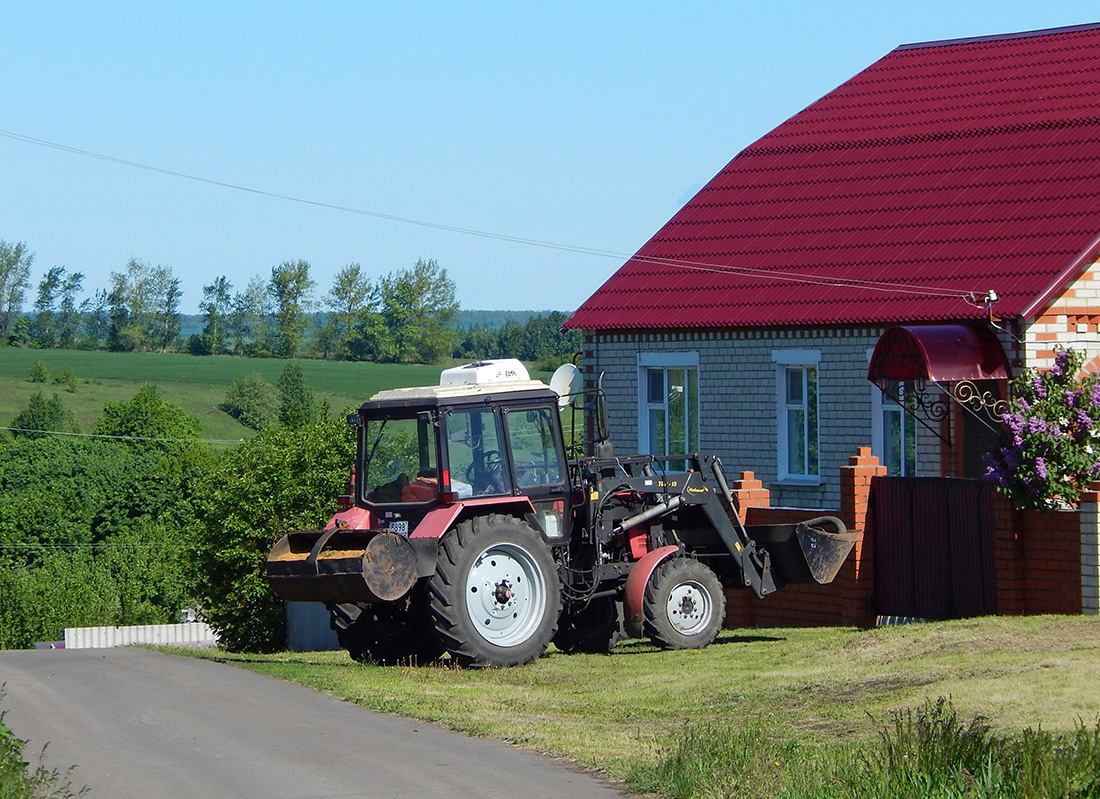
(1037, 385)
(1071, 399)
(1083, 421)
(1094, 469)
(1094, 400)
(1041, 468)
(1060, 360)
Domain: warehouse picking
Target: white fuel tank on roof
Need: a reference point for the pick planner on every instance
(504, 370)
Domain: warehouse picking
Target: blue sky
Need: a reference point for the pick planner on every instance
(583, 124)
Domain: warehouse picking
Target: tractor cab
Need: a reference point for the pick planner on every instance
(488, 434)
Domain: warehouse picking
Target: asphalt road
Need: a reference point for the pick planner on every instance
(139, 724)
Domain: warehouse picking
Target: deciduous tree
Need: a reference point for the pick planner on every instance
(349, 298)
(418, 307)
(15, 275)
(289, 289)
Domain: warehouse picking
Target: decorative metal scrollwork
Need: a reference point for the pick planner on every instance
(979, 402)
(928, 408)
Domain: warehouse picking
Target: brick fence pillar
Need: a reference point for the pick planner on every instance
(1089, 517)
(748, 492)
(855, 493)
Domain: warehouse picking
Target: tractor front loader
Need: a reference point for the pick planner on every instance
(469, 531)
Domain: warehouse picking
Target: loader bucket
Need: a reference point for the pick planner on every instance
(342, 566)
(809, 551)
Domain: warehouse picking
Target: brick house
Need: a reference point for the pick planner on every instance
(935, 220)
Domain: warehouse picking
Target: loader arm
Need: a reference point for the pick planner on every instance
(674, 492)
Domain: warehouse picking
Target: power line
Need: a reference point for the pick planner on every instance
(125, 438)
(771, 274)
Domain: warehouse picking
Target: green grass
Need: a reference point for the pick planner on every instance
(798, 696)
(198, 384)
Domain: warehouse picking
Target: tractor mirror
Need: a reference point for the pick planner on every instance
(353, 419)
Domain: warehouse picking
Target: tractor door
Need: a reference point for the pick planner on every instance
(536, 452)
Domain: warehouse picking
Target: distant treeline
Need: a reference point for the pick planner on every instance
(406, 316)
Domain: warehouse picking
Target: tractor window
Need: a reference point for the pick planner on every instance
(534, 450)
(400, 461)
(474, 454)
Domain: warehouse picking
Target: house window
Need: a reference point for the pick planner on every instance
(669, 403)
(797, 414)
(894, 436)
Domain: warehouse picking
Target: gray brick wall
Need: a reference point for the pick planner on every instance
(737, 390)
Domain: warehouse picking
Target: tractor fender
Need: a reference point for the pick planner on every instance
(439, 520)
(634, 593)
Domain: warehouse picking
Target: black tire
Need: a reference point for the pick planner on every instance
(684, 605)
(594, 630)
(388, 633)
(495, 596)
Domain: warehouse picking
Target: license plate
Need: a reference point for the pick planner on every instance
(401, 528)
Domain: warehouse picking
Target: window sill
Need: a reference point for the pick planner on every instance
(798, 482)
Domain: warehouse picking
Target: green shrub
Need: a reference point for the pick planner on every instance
(39, 373)
(298, 404)
(252, 401)
(283, 479)
(67, 378)
(44, 414)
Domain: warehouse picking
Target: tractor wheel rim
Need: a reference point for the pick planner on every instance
(505, 595)
(688, 608)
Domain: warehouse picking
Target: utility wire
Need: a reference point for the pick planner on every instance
(772, 274)
(125, 438)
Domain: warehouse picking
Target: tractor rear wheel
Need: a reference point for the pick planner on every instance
(595, 629)
(388, 633)
(684, 605)
(495, 595)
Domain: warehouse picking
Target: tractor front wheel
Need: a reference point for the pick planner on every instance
(495, 596)
(684, 606)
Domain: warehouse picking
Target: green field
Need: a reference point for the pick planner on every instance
(198, 384)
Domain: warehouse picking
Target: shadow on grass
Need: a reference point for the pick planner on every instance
(640, 646)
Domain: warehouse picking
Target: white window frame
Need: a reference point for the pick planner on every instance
(880, 406)
(784, 360)
(664, 360)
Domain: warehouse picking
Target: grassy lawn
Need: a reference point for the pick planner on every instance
(798, 690)
(198, 384)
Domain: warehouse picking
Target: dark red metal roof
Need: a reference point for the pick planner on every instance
(943, 169)
(939, 353)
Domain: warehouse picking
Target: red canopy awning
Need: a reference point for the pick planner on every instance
(939, 354)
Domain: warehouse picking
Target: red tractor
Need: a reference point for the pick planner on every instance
(472, 531)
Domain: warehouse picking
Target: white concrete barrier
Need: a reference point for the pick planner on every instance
(194, 633)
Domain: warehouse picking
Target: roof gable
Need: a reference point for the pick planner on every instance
(943, 169)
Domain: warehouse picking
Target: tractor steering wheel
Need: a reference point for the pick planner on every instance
(489, 479)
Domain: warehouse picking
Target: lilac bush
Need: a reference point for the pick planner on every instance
(1050, 442)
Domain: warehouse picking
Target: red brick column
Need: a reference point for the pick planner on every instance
(748, 492)
(855, 493)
